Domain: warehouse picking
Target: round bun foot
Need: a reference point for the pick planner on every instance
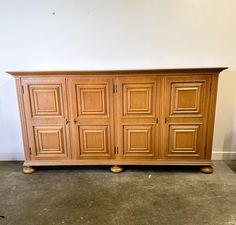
(116, 169)
(207, 169)
(28, 169)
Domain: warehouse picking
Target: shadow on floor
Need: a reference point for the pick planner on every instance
(186, 169)
(231, 164)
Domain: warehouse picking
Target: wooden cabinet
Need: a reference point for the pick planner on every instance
(139, 117)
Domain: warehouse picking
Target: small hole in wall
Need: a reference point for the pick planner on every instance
(53, 13)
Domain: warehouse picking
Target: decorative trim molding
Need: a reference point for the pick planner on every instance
(11, 156)
(223, 155)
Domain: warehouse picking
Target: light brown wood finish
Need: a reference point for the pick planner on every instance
(207, 169)
(185, 115)
(20, 95)
(211, 116)
(29, 169)
(135, 117)
(47, 119)
(116, 169)
(91, 104)
(115, 73)
(138, 117)
(186, 162)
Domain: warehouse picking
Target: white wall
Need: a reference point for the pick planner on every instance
(117, 34)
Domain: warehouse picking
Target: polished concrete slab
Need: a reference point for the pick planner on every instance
(139, 196)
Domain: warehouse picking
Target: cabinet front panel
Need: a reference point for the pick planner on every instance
(185, 140)
(138, 140)
(50, 142)
(138, 99)
(91, 101)
(187, 98)
(46, 100)
(138, 112)
(94, 140)
(185, 112)
(47, 118)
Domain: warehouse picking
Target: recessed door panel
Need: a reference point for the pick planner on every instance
(184, 140)
(187, 98)
(46, 100)
(138, 140)
(94, 140)
(138, 99)
(92, 100)
(50, 142)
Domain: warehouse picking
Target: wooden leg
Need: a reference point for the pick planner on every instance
(207, 169)
(116, 169)
(28, 169)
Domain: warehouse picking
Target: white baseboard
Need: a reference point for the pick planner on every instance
(224, 155)
(13, 156)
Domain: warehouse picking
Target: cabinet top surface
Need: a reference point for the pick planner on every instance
(119, 72)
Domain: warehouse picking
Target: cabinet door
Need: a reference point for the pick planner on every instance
(91, 103)
(185, 112)
(47, 118)
(138, 112)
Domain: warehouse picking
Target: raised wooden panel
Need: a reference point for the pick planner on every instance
(45, 100)
(92, 99)
(49, 141)
(94, 140)
(187, 98)
(183, 140)
(138, 140)
(138, 99)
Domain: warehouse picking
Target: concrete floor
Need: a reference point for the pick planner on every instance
(138, 196)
